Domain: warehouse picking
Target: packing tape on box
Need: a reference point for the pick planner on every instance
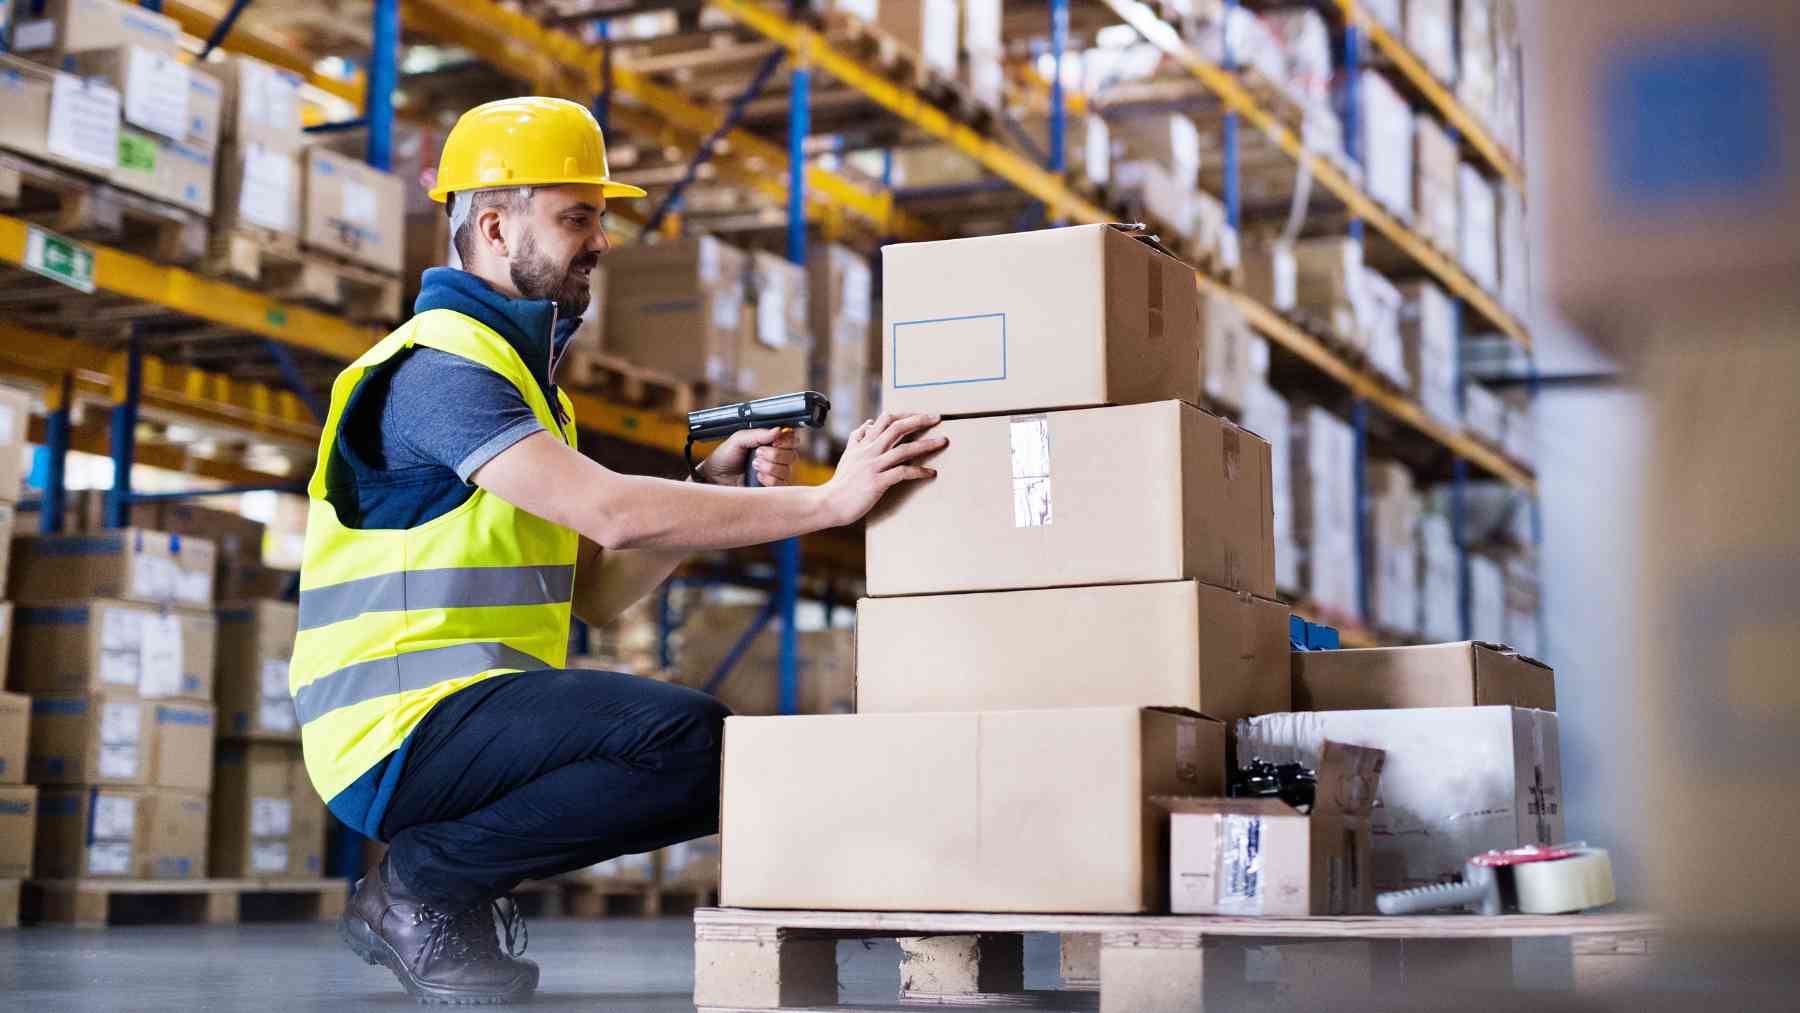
(1030, 457)
(1155, 300)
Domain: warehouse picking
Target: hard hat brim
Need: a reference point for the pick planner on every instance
(608, 187)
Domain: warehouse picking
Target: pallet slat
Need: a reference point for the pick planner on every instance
(90, 902)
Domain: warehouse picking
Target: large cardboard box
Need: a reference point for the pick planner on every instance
(15, 732)
(959, 812)
(18, 830)
(181, 745)
(350, 208)
(256, 641)
(1180, 644)
(159, 94)
(1261, 857)
(79, 738)
(260, 105)
(679, 308)
(134, 832)
(1146, 492)
(128, 563)
(1057, 318)
(169, 171)
(1387, 143)
(775, 352)
(91, 646)
(1328, 284)
(58, 117)
(258, 186)
(266, 820)
(74, 26)
(1467, 674)
(1457, 780)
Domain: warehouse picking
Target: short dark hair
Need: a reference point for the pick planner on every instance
(511, 198)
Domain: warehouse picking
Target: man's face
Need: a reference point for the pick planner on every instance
(560, 240)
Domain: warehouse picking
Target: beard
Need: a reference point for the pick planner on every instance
(536, 277)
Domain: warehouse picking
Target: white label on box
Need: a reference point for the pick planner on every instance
(193, 586)
(156, 93)
(857, 296)
(119, 762)
(709, 262)
(120, 667)
(84, 121)
(122, 629)
(160, 672)
(120, 724)
(715, 369)
(115, 818)
(274, 679)
(275, 712)
(271, 817)
(358, 203)
(268, 856)
(109, 858)
(726, 307)
(771, 317)
(1031, 471)
(1240, 865)
(40, 34)
(153, 577)
(9, 419)
(268, 182)
(269, 97)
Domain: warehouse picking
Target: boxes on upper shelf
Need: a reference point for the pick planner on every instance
(260, 105)
(259, 186)
(15, 731)
(1270, 274)
(101, 644)
(1387, 144)
(690, 287)
(1170, 140)
(1329, 278)
(233, 535)
(926, 27)
(18, 830)
(352, 209)
(57, 28)
(1144, 492)
(256, 640)
(1428, 338)
(1457, 780)
(170, 171)
(15, 419)
(1180, 644)
(266, 818)
(158, 93)
(881, 811)
(774, 353)
(1058, 318)
(131, 564)
(1225, 351)
(840, 315)
(1466, 674)
(1436, 196)
(58, 117)
(135, 832)
(1324, 451)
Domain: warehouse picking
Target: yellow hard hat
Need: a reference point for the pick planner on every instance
(532, 141)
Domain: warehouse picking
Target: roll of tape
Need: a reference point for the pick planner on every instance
(1580, 881)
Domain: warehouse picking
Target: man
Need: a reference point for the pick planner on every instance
(454, 529)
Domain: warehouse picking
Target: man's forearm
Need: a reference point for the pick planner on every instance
(616, 579)
(654, 513)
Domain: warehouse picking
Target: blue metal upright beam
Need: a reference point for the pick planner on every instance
(56, 461)
(124, 438)
(603, 101)
(384, 76)
(1352, 111)
(1059, 109)
(223, 28)
(1359, 474)
(1232, 196)
(787, 551)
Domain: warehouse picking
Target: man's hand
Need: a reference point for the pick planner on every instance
(877, 460)
(774, 453)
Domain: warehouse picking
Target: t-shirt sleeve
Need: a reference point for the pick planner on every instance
(445, 410)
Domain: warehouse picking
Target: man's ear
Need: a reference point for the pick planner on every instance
(488, 222)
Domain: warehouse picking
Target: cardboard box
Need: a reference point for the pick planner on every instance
(840, 317)
(352, 209)
(1270, 274)
(1476, 85)
(1428, 339)
(1168, 140)
(1179, 644)
(166, 170)
(1435, 193)
(1097, 496)
(59, 118)
(1457, 780)
(266, 818)
(963, 811)
(775, 352)
(1431, 35)
(181, 745)
(1467, 674)
(1440, 580)
(1387, 143)
(256, 641)
(15, 421)
(159, 94)
(260, 105)
(1266, 414)
(258, 186)
(925, 27)
(75, 26)
(1478, 242)
(91, 831)
(1324, 453)
(104, 645)
(79, 738)
(1225, 339)
(1328, 284)
(128, 563)
(18, 830)
(233, 535)
(15, 732)
(694, 288)
(1261, 857)
(1057, 318)
(1382, 341)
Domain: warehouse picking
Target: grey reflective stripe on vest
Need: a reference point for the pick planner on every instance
(367, 680)
(450, 587)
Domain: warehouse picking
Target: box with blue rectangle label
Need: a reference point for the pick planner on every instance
(1058, 318)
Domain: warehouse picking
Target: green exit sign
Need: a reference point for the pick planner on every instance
(59, 258)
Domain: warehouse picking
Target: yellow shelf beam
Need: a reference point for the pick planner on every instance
(1238, 99)
(1473, 131)
(199, 19)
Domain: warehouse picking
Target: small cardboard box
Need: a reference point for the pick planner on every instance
(256, 641)
(167, 170)
(1181, 644)
(91, 831)
(116, 646)
(1058, 318)
(692, 287)
(80, 738)
(267, 820)
(18, 830)
(987, 811)
(1457, 781)
(15, 732)
(1147, 492)
(59, 118)
(258, 186)
(176, 837)
(260, 104)
(1469, 674)
(1262, 857)
(159, 94)
(181, 745)
(74, 26)
(353, 210)
(128, 563)
(775, 351)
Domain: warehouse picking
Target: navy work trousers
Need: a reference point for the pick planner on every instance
(532, 774)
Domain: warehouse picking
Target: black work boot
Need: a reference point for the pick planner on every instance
(439, 956)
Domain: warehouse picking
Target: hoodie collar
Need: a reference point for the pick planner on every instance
(530, 326)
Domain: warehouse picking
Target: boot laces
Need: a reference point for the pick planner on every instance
(512, 923)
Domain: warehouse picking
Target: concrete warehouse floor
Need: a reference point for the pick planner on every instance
(589, 965)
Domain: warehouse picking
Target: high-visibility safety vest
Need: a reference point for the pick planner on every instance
(394, 620)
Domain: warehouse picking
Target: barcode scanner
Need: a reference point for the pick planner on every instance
(801, 410)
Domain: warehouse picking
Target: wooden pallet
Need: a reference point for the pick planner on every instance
(277, 264)
(903, 64)
(92, 903)
(756, 960)
(82, 207)
(573, 897)
(630, 383)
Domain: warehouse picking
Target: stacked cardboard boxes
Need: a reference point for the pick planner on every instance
(775, 351)
(115, 640)
(18, 800)
(1324, 450)
(1131, 535)
(260, 183)
(1440, 579)
(1478, 227)
(678, 308)
(1436, 189)
(1428, 342)
(1387, 144)
(1394, 508)
(842, 321)
(352, 210)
